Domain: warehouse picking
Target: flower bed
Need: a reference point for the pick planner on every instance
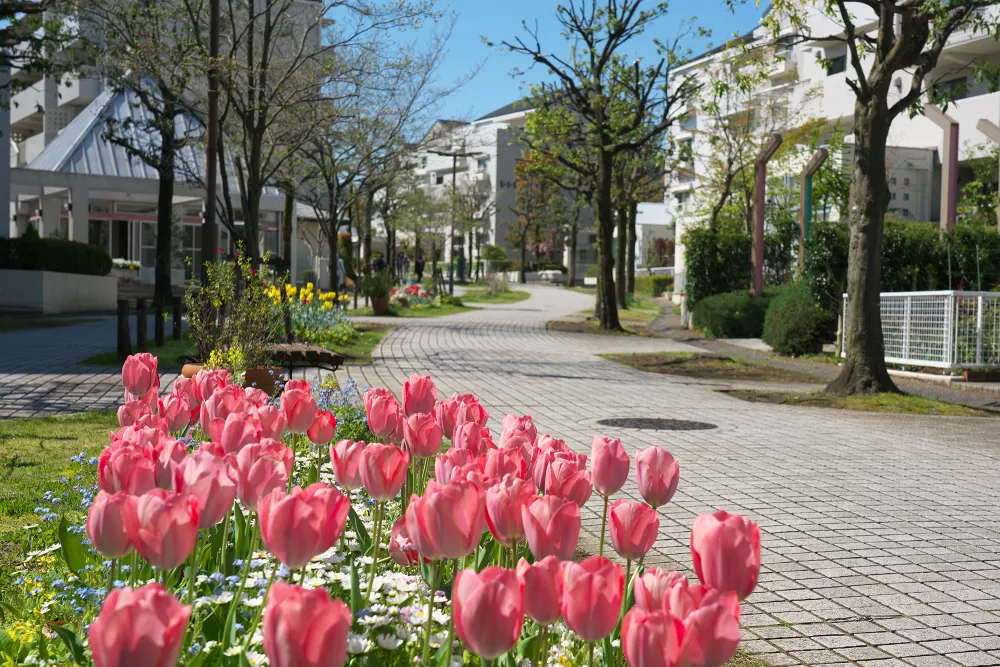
(229, 529)
(317, 317)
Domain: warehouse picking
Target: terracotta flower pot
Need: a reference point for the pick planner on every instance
(380, 305)
(264, 379)
(190, 369)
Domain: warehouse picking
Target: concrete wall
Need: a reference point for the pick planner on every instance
(51, 293)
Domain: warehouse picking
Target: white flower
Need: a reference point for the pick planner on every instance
(440, 617)
(389, 643)
(235, 650)
(358, 644)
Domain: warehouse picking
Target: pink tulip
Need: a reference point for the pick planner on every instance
(592, 597)
(401, 547)
(110, 522)
(260, 469)
(545, 454)
(167, 454)
(176, 409)
(166, 527)
(657, 474)
(126, 468)
(305, 628)
(139, 374)
(469, 409)
(144, 626)
(501, 462)
(132, 412)
(543, 582)
(488, 610)
(609, 464)
(450, 461)
(206, 382)
(523, 448)
(185, 387)
(634, 528)
(257, 398)
(469, 435)
(323, 427)
(383, 470)
(504, 502)
(711, 628)
(552, 527)
(300, 525)
(293, 385)
(725, 549)
(447, 521)
(384, 413)
(518, 425)
(444, 414)
(422, 434)
(271, 420)
(236, 432)
(419, 395)
(211, 481)
(224, 401)
(651, 639)
(299, 408)
(473, 472)
(346, 457)
(565, 480)
(652, 588)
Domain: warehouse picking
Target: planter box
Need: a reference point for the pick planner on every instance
(590, 281)
(128, 275)
(50, 293)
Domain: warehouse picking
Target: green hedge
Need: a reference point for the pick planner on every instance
(33, 254)
(653, 285)
(731, 315)
(795, 324)
(717, 263)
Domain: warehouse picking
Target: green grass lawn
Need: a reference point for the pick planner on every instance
(35, 453)
(359, 349)
(17, 322)
(589, 291)
(712, 367)
(903, 404)
(482, 296)
(432, 310)
(171, 355)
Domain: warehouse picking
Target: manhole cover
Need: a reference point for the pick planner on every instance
(655, 424)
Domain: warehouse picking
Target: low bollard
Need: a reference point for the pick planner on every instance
(140, 325)
(124, 336)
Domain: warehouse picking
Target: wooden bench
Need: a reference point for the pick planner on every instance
(293, 355)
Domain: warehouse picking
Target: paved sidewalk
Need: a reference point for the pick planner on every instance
(40, 375)
(881, 533)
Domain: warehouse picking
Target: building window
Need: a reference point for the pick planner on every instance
(906, 181)
(683, 200)
(947, 91)
(906, 213)
(906, 196)
(893, 196)
(836, 65)
(893, 180)
(423, 162)
(439, 179)
(483, 164)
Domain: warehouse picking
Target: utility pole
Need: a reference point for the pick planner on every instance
(209, 228)
(454, 155)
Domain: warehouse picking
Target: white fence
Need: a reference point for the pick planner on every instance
(946, 329)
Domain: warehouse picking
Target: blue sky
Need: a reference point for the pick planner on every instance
(497, 20)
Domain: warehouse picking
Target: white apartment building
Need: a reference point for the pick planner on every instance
(809, 90)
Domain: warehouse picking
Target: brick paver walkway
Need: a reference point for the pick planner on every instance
(40, 376)
(881, 533)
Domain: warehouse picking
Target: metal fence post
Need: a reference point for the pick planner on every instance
(949, 334)
(140, 325)
(979, 330)
(907, 309)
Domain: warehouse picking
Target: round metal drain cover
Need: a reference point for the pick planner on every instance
(655, 424)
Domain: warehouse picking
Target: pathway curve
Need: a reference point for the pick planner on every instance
(881, 533)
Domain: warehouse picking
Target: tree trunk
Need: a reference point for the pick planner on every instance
(286, 234)
(573, 230)
(607, 304)
(633, 209)
(367, 241)
(333, 284)
(524, 257)
(164, 215)
(864, 370)
(621, 242)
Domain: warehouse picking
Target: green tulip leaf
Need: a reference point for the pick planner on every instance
(71, 641)
(71, 548)
(356, 600)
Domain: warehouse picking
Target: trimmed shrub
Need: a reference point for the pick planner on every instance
(796, 324)
(653, 285)
(593, 271)
(826, 263)
(717, 263)
(493, 252)
(731, 315)
(34, 254)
